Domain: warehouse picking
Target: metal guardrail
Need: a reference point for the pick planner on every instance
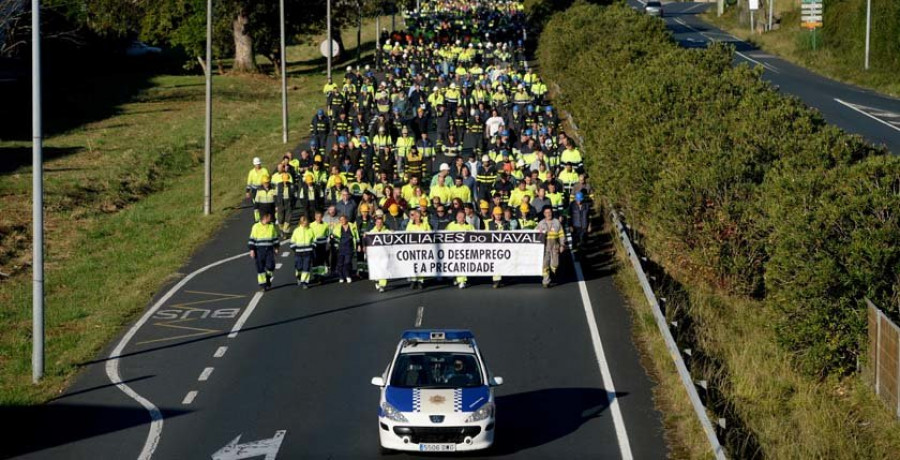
(683, 373)
(884, 357)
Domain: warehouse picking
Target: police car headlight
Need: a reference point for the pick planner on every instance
(485, 411)
(392, 413)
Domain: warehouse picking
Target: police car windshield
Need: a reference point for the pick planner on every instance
(436, 370)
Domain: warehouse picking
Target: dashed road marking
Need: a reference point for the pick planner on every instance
(244, 317)
(204, 376)
(189, 398)
(278, 266)
(285, 253)
(889, 119)
(220, 352)
(419, 314)
(713, 39)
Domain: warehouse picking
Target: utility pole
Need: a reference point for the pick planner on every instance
(720, 7)
(37, 204)
(771, 13)
(284, 106)
(868, 29)
(377, 39)
(330, 40)
(358, 32)
(207, 147)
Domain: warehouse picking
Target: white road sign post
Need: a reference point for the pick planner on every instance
(811, 14)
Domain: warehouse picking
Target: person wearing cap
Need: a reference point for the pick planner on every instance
(303, 243)
(485, 178)
(379, 227)
(443, 171)
(503, 187)
(254, 178)
(496, 223)
(284, 193)
(554, 246)
(527, 217)
(394, 219)
(417, 224)
(451, 97)
(264, 201)
(333, 187)
(366, 160)
(435, 99)
(451, 148)
(263, 241)
(460, 225)
(484, 211)
(409, 159)
(580, 219)
(309, 196)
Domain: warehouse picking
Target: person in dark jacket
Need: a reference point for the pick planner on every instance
(580, 215)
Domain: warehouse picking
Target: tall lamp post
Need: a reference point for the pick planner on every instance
(37, 210)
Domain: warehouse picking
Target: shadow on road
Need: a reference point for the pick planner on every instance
(29, 429)
(534, 418)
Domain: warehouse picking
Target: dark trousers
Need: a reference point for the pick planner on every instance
(303, 261)
(344, 264)
(578, 236)
(265, 264)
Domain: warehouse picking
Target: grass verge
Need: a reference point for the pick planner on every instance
(124, 208)
(788, 415)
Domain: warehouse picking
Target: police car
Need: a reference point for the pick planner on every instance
(436, 394)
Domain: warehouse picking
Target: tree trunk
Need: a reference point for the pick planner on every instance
(244, 56)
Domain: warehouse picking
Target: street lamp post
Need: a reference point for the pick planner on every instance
(330, 50)
(284, 106)
(37, 210)
(207, 147)
(868, 29)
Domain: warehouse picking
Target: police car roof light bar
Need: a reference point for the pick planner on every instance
(438, 335)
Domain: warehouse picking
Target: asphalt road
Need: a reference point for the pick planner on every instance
(874, 116)
(302, 360)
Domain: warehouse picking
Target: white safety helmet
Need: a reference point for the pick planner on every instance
(257, 161)
(444, 167)
(453, 85)
(485, 158)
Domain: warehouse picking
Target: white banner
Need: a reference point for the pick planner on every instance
(475, 253)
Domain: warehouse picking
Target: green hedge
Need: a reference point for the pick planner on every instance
(734, 185)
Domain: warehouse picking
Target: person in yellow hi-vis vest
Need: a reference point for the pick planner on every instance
(254, 178)
(303, 242)
(460, 225)
(262, 243)
(416, 224)
(380, 228)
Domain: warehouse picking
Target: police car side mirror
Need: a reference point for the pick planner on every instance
(378, 381)
(496, 381)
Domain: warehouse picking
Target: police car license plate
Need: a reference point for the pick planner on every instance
(437, 447)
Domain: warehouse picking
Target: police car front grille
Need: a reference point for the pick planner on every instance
(450, 434)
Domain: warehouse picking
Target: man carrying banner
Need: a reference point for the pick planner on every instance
(554, 246)
(416, 224)
(460, 225)
(379, 228)
(497, 224)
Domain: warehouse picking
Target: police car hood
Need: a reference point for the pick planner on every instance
(437, 401)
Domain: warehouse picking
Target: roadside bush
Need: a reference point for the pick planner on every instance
(733, 185)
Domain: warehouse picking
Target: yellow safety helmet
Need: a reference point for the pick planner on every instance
(317, 158)
(363, 207)
(394, 209)
(423, 202)
(498, 211)
(266, 179)
(309, 179)
(524, 207)
(483, 204)
(338, 180)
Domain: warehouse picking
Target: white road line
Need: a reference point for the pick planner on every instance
(220, 352)
(854, 107)
(112, 365)
(704, 35)
(285, 253)
(247, 312)
(618, 421)
(278, 266)
(204, 376)
(189, 398)
(419, 314)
